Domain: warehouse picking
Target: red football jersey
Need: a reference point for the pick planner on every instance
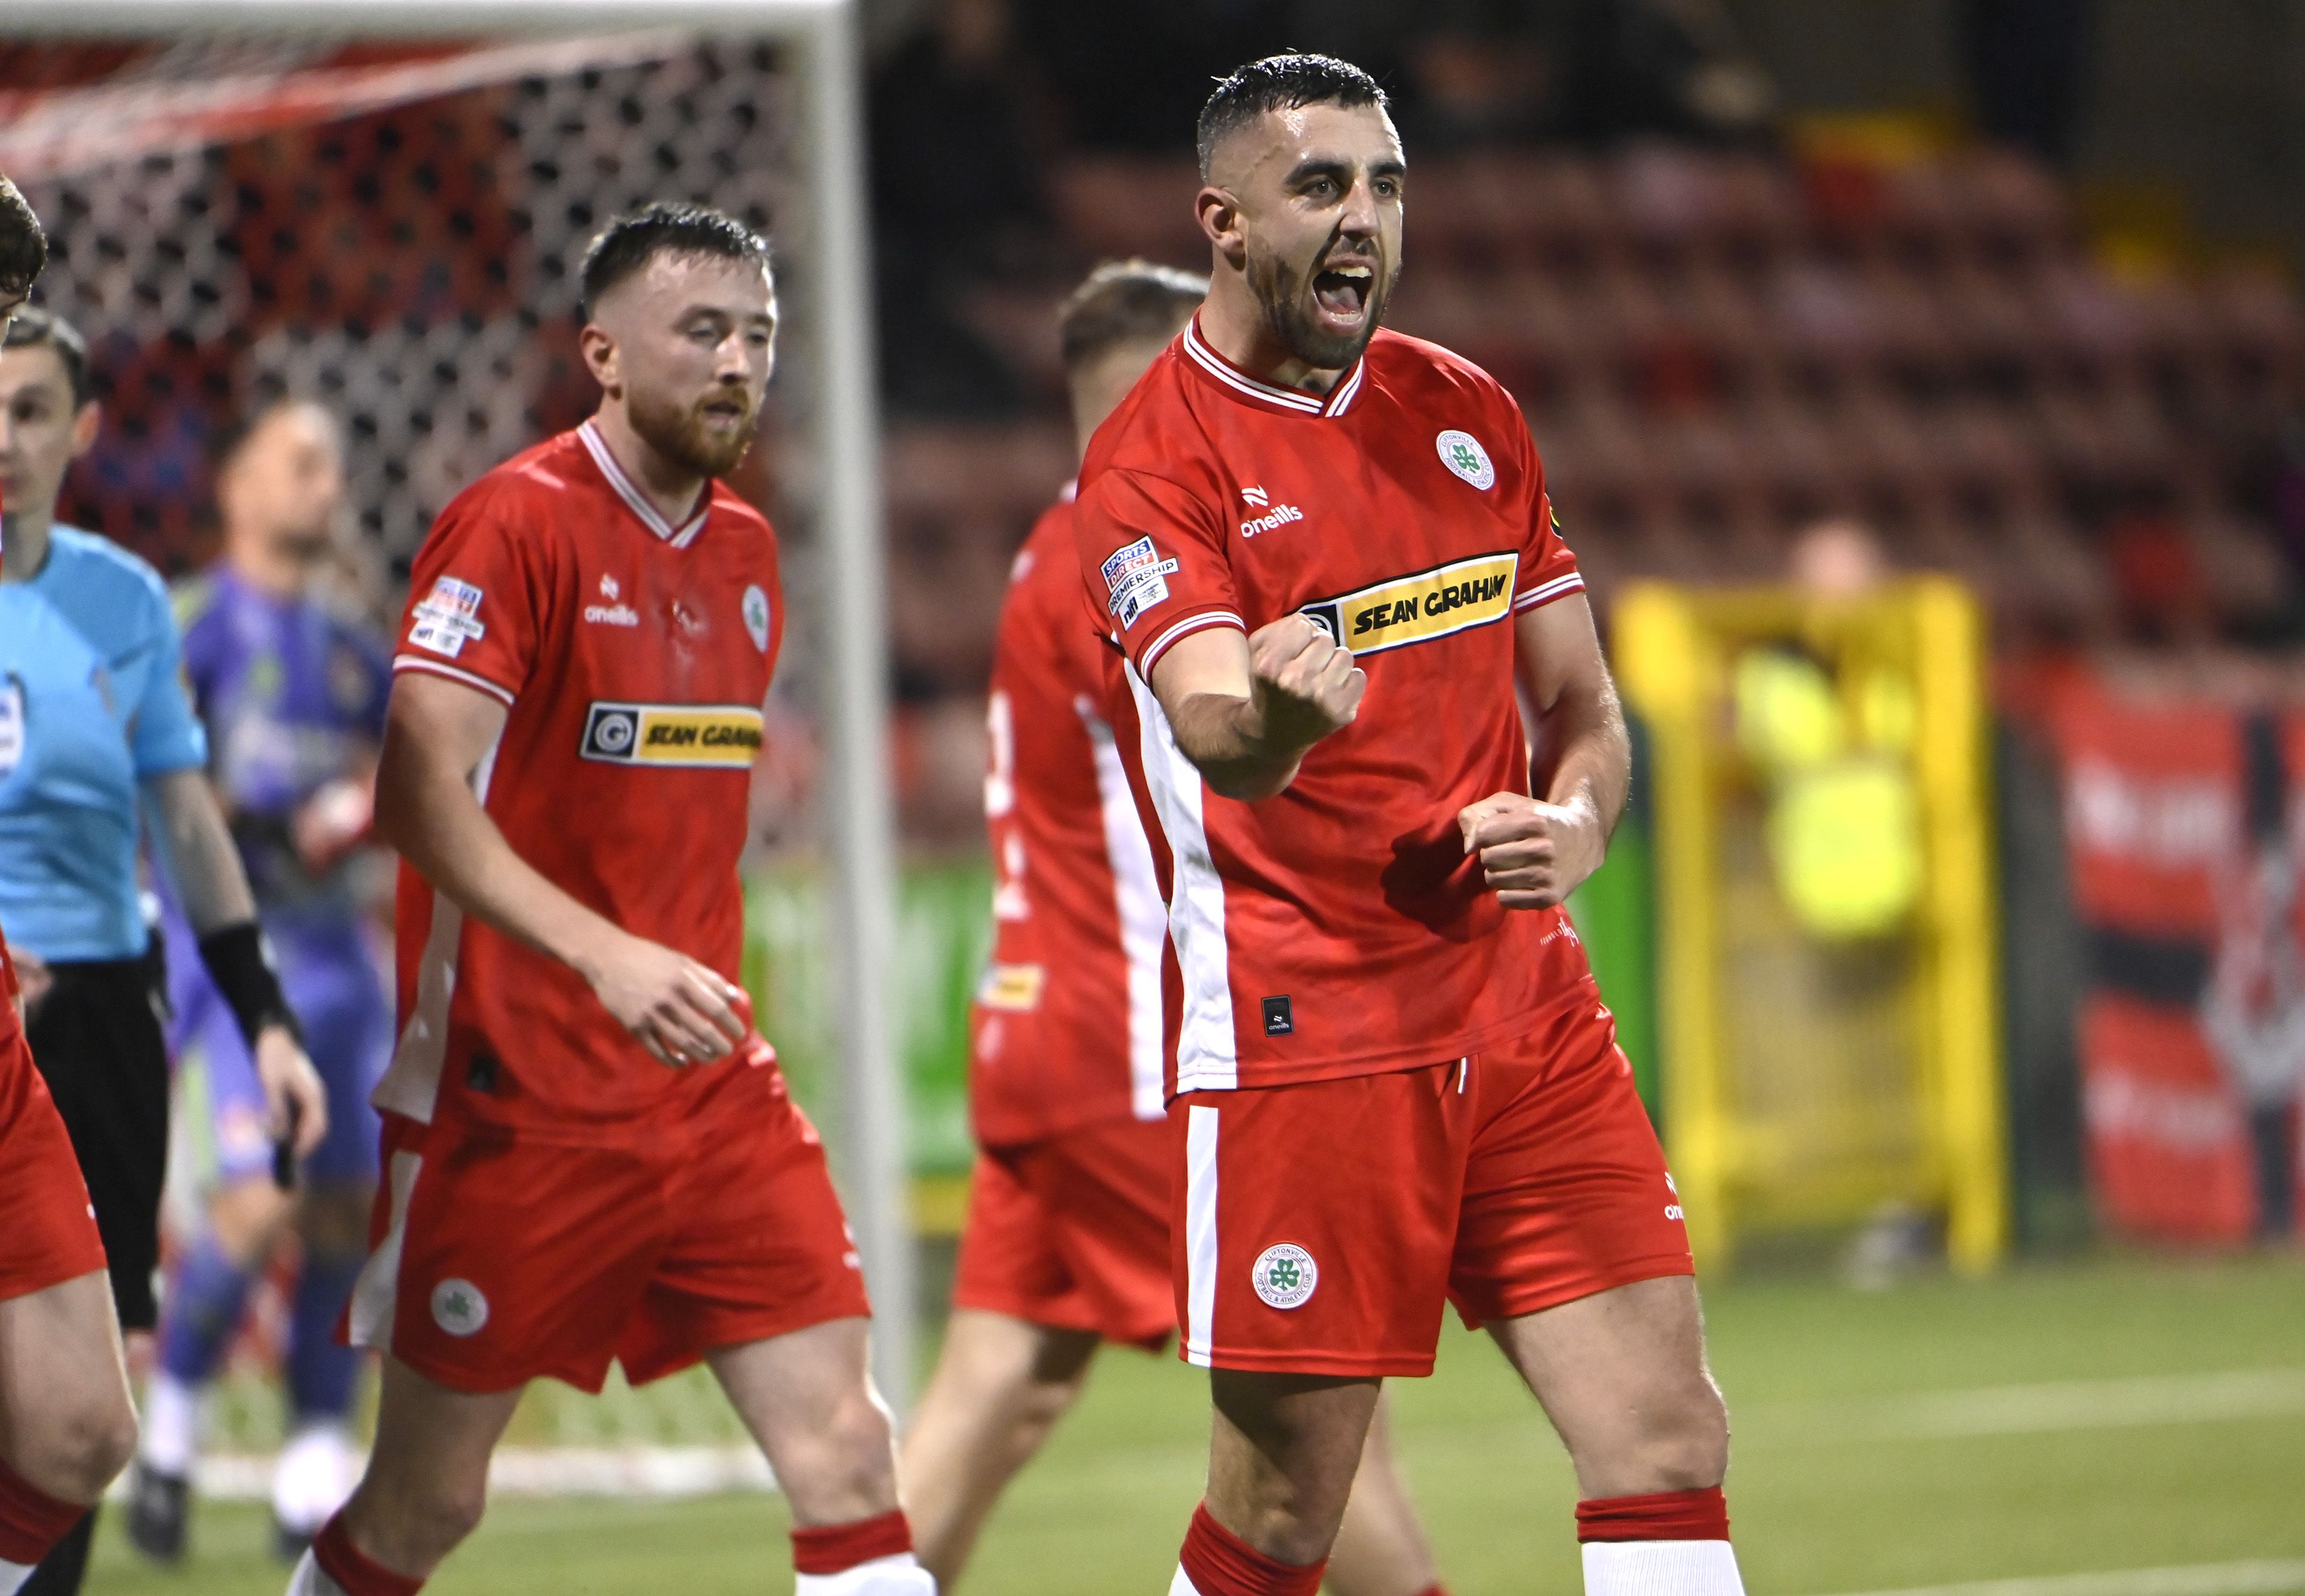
(634, 657)
(1339, 929)
(11, 1025)
(1066, 1026)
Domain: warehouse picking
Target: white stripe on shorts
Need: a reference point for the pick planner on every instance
(1200, 1233)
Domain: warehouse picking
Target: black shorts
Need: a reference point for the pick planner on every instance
(97, 1039)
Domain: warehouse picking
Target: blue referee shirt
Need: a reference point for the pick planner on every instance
(92, 704)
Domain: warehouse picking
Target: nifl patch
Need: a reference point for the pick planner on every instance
(1462, 454)
(1284, 1276)
(447, 618)
(1136, 579)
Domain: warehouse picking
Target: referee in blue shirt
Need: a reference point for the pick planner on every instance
(93, 719)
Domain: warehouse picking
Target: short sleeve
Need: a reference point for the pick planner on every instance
(475, 601)
(166, 735)
(1548, 569)
(1154, 562)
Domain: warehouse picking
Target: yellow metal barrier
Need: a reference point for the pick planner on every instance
(1815, 1079)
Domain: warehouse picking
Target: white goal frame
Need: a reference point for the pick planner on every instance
(824, 34)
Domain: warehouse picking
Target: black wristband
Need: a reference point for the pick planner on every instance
(241, 966)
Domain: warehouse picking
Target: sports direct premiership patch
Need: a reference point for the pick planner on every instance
(447, 618)
(689, 736)
(1284, 1276)
(1415, 609)
(1136, 578)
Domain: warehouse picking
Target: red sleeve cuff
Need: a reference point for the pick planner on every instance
(1545, 592)
(1166, 638)
(439, 668)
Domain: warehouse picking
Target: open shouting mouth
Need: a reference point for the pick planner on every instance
(1341, 291)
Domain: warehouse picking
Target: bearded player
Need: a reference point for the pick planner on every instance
(1327, 553)
(66, 1425)
(1067, 1241)
(589, 1155)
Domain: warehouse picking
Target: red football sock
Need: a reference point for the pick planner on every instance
(1433, 1590)
(31, 1521)
(1220, 1563)
(1665, 1516)
(837, 1548)
(359, 1573)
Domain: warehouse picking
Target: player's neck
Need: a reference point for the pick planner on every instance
(26, 545)
(1233, 326)
(265, 568)
(672, 489)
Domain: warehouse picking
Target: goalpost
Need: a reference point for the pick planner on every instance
(446, 377)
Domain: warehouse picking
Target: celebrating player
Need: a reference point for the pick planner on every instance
(293, 696)
(1067, 1243)
(65, 1422)
(589, 1154)
(95, 733)
(1327, 553)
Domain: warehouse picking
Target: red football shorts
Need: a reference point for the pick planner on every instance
(498, 1258)
(1319, 1228)
(1072, 1233)
(50, 1235)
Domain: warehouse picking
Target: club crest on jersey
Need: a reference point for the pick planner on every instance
(683, 737)
(1462, 454)
(459, 1308)
(1418, 608)
(447, 618)
(756, 617)
(1284, 1276)
(1136, 579)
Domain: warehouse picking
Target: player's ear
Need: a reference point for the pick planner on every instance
(87, 421)
(599, 353)
(1219, 214)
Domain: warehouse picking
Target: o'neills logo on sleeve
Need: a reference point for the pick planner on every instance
(1415, 609)
(692, 737)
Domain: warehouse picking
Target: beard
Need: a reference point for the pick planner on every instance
(1284, 293)
(678, 432)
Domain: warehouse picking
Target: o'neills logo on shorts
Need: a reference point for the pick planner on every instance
(1415, 609)
(686, 736)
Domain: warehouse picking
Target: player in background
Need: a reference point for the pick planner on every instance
(1328, 555)
(95, 734)
(291, 695)
(589, 1155)
(1067, 1241)
(66, 1425)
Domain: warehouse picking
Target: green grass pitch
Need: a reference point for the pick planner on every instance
(2110, 1415)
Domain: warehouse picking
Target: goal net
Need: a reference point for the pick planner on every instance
(247, 207)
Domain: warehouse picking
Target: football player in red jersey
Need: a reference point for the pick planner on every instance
(1067, 1241)
(66, 1424)
(589, 1154)
(1327, 555)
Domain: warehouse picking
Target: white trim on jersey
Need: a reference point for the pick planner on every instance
(376, 1293)
(1143, 919)
(1200, 1233)
(1340, 399)
(1208, 1055)
(679, 537)
(410, 662)
(411, 1083)
(1208, 617)
(1545, 592)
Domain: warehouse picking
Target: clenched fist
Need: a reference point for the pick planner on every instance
(1534, 855)
(1305, 686)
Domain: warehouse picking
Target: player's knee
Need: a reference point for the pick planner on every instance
(437, 1518)
(86, 1449)
(1686, 1445)
(849, 1461)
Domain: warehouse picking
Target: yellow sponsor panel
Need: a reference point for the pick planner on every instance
(1415, 609)
(1016, 988)
(710, 736)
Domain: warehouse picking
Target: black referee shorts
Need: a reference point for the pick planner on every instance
(96, 1036)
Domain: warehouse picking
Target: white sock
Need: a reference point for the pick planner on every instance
(311, 1580)
(313, 1476)
(899, 1575)
(1661, 1568)
(13, 1576)
(1183, 1585)
(170, 1425)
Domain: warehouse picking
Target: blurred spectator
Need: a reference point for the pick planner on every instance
(1673, 68)
(2028, 63)
(1479, 72)
(959, 195)
(1837, 559)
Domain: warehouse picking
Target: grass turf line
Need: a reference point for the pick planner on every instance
(1818, 1508)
